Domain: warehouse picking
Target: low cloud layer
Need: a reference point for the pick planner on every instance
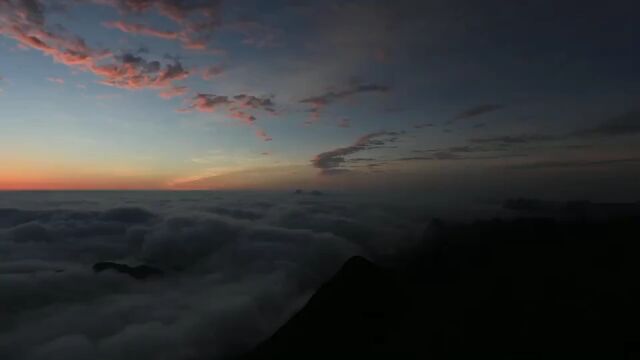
(235, 267)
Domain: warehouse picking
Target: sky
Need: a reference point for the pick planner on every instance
(457, 96)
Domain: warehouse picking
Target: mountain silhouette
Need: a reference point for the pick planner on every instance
(522, 288)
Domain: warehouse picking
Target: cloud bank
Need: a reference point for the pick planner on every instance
(235, 267)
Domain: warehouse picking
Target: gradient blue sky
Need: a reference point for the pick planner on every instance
(334, 94)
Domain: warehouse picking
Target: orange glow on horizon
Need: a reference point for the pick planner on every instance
(27, 182)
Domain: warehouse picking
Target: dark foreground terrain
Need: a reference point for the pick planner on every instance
(532, 287)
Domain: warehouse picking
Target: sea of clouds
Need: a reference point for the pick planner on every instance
(236, 266)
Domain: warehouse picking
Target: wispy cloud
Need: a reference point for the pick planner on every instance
(212, 72)
(175, 91)
(239, 107)
(141, 29)
(344, 123)
(198, 19)
(319, 102)
(330, 162)
(56, 80)
(573, 164)
(477, 111)
(621, 125)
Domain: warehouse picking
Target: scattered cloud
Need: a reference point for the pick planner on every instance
(212, 72)
(210, 102)
(239, 107)
(25, 22)
(133, 72)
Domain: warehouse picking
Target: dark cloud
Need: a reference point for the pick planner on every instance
(622, 125)
(319, 102)
(574, 164)
(625, 124)
(450, 155)
(330, 161)
(332, 96)
(422, 126)
(239, 107)
(515, 139)
(212, 72)
(29, 232)
(210, 102)
(235, 213)
(131, 215)
(256, 33)
(477, 111)
(253, 102)
(344, 123)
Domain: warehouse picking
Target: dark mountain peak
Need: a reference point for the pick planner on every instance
(343, 317)
(356, 266)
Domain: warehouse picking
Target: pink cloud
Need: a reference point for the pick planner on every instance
(25, 23)
(175, 91)
(243, 116)
(197, 19)
(209, 102)
(261, 134)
